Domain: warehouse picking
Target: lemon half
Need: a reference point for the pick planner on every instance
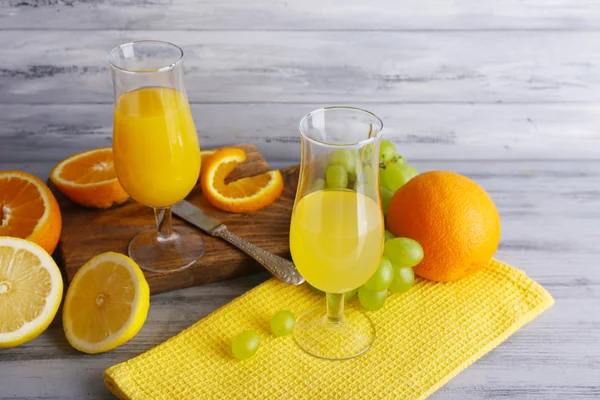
(30, 290)
(107, 303)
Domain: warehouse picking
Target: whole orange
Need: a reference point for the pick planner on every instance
(454, 220)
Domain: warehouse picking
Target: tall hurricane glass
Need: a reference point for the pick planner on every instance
(155, 146)
(336, 234)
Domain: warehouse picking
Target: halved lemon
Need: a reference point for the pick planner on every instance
(89, 179)
(244, 195)
(29, 210)
(30, 291)
(106, 304)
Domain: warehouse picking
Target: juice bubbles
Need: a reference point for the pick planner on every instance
(156, 150)
(336, 239)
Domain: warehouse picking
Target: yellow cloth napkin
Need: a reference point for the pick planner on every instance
(424, 338)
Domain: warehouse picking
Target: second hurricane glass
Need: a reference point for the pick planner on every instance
(155, 146)
(336, 233)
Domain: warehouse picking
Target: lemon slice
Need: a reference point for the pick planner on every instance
(106, 304)
(30, 291)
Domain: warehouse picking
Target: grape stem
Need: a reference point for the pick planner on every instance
(335, 308)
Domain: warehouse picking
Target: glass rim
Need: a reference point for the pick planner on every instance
(143, 71)
(360, 143)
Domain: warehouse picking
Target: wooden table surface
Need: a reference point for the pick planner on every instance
(504, 91)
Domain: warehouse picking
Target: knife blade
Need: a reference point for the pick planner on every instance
(281, 268)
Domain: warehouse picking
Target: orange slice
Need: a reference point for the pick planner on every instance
(205, 155)
(244, 195)
(89, 179)
(28, 210)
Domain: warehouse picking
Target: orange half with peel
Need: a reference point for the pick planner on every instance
(28, 210)
(241, 196)
(89, 179)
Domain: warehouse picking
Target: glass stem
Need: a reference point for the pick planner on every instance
(335, 308)
(163, 223)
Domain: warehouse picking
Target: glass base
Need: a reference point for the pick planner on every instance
(181, 250)
(322, 338)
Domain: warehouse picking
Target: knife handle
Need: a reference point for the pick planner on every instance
(281, 268)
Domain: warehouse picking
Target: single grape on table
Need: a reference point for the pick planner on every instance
(382, 278)
(370, 300)
(245, 344)
(283, 323)
(403, 252)
(404, 278)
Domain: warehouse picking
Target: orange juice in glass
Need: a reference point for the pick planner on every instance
(155, 146)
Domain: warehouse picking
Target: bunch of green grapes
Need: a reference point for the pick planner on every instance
(395, 271)
(394, 172)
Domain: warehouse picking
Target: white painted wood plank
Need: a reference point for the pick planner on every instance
(550, 218)
(35, 133)
(300, 15)
(324, 67)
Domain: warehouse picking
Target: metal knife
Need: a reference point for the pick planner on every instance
(281, 268)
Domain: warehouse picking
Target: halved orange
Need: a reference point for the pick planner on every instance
(244, 195)
(28, 210)
(89, 179)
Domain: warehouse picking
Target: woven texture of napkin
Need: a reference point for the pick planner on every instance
(424, 338)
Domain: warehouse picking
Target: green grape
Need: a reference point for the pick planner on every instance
(382, 182)
(396, 175)
(388, 235)
(345, 158)
(387, 151)
(336, 177)
(398, 159)
(412, 171)
(386, 197)
(371, 301)
(314, 289)
(403, 252)
(382, 278)
(404, 278)
(245, 344)
(348, 159)
(283, 323)
(318, 184)
(350, 295)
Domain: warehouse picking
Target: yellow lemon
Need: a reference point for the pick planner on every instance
(30, 291)
(106, 304)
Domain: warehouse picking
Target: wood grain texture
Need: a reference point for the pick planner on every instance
(505, 91)
(299, 15)
(550, 220)
(113, 229)
(420, 131)
(327, 67)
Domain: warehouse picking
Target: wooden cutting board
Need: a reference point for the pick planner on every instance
(89, 232)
